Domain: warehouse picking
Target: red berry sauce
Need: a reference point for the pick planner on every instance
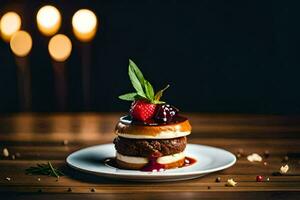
(189, 161)
(153, 166)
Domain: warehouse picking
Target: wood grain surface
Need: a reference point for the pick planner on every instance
(37, 138)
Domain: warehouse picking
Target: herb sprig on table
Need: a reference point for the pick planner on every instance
(44, 169)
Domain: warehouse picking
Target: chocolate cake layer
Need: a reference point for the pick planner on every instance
(148, 147)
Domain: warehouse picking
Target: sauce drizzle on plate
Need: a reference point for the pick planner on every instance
(152, 166)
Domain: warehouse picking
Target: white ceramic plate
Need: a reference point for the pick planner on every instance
(209, 159)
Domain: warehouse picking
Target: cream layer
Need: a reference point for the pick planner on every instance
(143, 160)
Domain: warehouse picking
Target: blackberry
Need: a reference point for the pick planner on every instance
(165, 113)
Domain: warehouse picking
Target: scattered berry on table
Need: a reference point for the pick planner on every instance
(266, 154)
(218, 179)
(259, 178)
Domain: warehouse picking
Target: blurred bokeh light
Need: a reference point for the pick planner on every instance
(21, 43)
(10, 23)
(48, 20)
(60, 47)
(84, 24)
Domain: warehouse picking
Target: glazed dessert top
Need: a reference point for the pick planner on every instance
(178, 127)
(127, 119)
(149, 117)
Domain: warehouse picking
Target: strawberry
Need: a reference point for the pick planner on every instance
(142, 110)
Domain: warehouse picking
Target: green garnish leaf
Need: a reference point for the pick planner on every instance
(142, 95)
(143, 88)
(129, 96)
(137, 71)
(159, 94)
(149, 90)
(135, 80)
(44, 169)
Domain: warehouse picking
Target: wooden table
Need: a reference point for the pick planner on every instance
(38, 138)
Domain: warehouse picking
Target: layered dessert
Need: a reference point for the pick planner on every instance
(153, 135)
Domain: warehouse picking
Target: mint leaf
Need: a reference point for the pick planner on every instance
(129, 96)
(159, 94)
(149, 90)
(135, 80)
(144, 89)
(137, 71)
(142, 95)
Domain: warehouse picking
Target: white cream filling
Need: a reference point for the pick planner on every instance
(161, 135)
(143, 160)
(171, 158)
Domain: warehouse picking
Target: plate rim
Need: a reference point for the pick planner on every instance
(141, 174)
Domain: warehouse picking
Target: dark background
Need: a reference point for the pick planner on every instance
(218, 56)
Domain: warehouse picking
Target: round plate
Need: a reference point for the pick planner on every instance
(209, 159)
